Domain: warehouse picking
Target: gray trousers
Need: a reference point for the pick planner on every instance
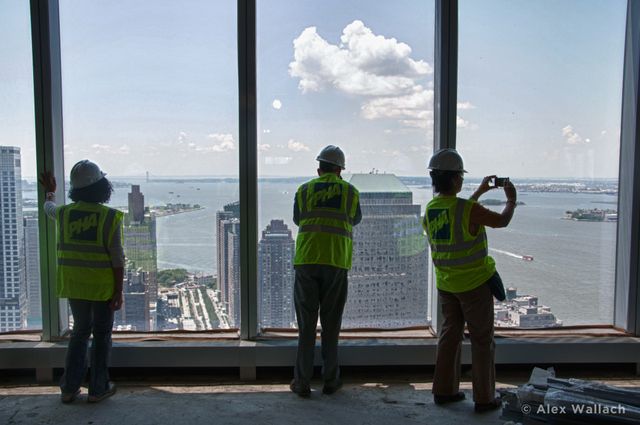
(325, 288)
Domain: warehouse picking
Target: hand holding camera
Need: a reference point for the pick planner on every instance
(500, 181)
(509, 189)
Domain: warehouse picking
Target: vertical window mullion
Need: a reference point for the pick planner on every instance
(45, 39)
(445, 98)
(627, 298)
(248, 168)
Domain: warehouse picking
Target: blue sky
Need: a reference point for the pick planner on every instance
(155, 89)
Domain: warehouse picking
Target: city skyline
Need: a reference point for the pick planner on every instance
(389, 282)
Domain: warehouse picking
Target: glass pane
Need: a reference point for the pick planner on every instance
(150, 95)
(358, 75)
(540, 86)
(20, 300)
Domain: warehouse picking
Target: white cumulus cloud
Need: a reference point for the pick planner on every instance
(376, 67)
(414, 110)
(571, 137)
(363, 63)
(222, 143)
(111, 150)
(461, 123)
(465, 105)
(296, 146)
(277, 160)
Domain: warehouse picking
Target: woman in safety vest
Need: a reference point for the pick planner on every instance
(89, 273)
(466, 278)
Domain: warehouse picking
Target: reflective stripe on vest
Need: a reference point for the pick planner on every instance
(461, 259)
(326, 210)
(85, 232)
(303, 197)
(324, 214)
(84, 263)
(325, 229)
(459, 244)
(450, 262)
(351, 212)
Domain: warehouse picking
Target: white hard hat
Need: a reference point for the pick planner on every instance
(85, 173)
(446, 160)
(332, 155)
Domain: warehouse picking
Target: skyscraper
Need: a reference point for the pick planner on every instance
(141, 250)
(275, 276)
(136, 204)
(388, 278)
(228, 265)
(232, 271)
(135, 312)
(13, 291)
(32, 272)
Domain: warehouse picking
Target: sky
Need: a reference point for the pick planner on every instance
(155, 89)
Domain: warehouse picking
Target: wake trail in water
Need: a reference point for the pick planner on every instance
(510, 254)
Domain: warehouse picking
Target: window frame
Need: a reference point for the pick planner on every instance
(49, 147)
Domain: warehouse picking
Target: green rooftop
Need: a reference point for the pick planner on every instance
(378, 183)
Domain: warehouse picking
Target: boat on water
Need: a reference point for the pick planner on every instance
(595, 214)
(527, 257)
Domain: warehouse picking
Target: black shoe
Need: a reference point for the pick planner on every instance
(302, 391)
(67, 398)
(444, 399)
(487, 407)
(111, 390)
(330, 389)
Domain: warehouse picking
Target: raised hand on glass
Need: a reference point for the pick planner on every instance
(48, 181)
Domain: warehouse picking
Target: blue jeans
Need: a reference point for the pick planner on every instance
(88, 317)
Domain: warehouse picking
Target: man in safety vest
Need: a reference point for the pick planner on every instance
(466, 278)
(89, 274)
(325, 209)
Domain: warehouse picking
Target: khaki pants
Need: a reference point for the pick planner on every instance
(476, 308)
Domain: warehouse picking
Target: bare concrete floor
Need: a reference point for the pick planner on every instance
(369, 403)
(389, 398)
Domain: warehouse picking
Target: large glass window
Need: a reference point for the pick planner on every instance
(358, 75)
(20, 300)
(150, 94)
(540, 87)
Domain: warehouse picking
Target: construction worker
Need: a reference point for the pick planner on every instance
(89, 274)
(325, 209)
(465, 276)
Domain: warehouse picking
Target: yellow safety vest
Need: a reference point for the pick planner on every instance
(327, 206)
(461, 259)
(85, 231)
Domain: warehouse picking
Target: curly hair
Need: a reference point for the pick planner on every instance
(97, 193)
